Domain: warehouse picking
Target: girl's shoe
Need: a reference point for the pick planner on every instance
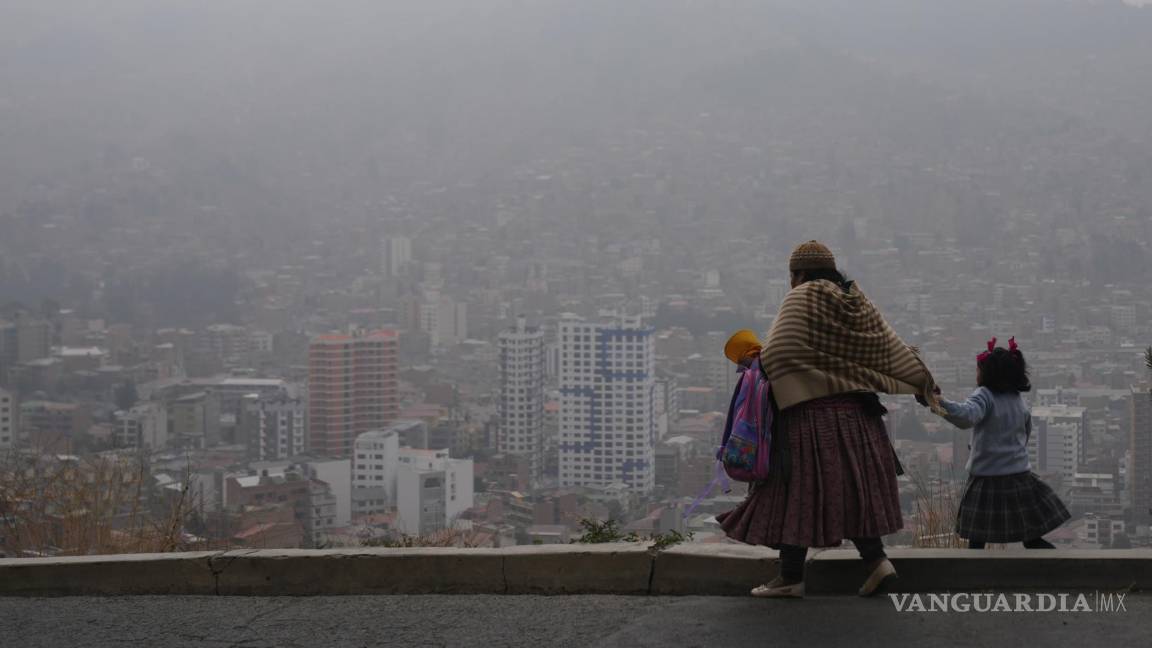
(778, 588)
(882, 574)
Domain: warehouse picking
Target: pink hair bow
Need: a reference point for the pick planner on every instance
(1012, 348)
(991, 347)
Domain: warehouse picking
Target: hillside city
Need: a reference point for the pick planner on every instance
(354, 305)
(509, 400)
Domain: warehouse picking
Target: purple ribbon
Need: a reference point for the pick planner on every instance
(720, 478)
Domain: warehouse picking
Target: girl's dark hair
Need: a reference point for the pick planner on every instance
(1005, 371)
(827, 274)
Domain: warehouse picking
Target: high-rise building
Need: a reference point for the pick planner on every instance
(275, 427)
(1056, 445)
(442, 318)
(432, 490)
(1140, 456)
(351, 389)
(520, 408)
(7, 420)
(452, 322)
(607, 418)
(427, 313)
(396, 253)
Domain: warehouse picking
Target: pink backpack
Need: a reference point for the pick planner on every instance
(744, 449)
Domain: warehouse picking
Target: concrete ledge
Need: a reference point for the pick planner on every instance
(170, 573)
(624, 568)
(716, 569)
(297, 572)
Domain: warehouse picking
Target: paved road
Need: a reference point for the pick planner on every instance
(542, 622)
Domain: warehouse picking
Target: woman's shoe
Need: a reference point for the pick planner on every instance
(882, 574)
(778, 588)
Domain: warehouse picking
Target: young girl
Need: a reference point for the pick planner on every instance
(1004, 501)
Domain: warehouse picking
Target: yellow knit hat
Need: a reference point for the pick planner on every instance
(812, 255)
(742, 344)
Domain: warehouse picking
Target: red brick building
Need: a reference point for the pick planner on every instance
(351, 389)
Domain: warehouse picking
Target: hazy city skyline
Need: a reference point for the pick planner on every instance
(323, 275)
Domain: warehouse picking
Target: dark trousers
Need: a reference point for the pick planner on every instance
(792, 557)
(1035, 543)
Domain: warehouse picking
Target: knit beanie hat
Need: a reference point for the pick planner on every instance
(812, 255)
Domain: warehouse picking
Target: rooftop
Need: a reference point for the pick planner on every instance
(386, 334)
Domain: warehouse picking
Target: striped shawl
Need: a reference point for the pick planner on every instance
(826, 341)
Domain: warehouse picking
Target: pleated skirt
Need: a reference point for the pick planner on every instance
(841, 483)
(1008, 508)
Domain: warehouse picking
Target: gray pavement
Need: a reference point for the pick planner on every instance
(416, 621)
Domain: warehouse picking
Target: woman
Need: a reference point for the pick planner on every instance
(834, 469)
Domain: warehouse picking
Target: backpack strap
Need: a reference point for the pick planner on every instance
(720, 477)
(728, 419)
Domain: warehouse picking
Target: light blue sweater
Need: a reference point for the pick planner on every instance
(1001, 424)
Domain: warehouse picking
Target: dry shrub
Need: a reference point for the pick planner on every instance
(935, 513)
(74, 506)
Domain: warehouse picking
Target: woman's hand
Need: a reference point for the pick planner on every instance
(923, 401)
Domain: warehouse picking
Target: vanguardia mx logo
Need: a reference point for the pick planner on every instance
(1100, 602)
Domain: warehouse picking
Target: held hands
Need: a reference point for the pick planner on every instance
(924, 402)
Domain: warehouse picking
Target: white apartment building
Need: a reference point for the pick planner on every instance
(607, 420)
(443, 318)
(337, 474)
(375, 460)
(521, 404)
(432, 490)
(1057, 442)
(143, 426)
(428, 319)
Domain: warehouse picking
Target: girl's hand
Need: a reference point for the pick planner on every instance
(924, 401)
